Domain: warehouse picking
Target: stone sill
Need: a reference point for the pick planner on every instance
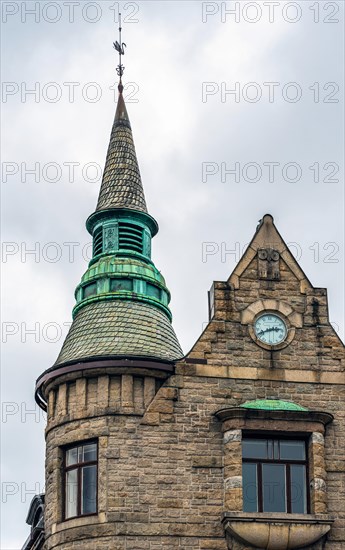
(79, 521)
(276, 531)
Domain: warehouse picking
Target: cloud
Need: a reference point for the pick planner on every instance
(170, 53)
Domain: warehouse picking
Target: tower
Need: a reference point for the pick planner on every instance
(237, 445)
(120, 349)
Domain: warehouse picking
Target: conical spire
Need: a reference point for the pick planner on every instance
(122, 302)
(121, 316)
(121, 184)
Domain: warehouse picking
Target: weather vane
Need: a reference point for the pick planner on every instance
(119, 47)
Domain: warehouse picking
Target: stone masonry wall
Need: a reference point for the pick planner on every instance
(161, 477)
(162, 461)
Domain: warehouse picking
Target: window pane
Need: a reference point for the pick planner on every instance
(274, 490)
(153, 291)
(250, 487)
(298, 489)
(90, 290)
(121, 284)
(254, 448)
(292, 450)
(71, 493)
(90, 452)
(72, 456)
(89, 489)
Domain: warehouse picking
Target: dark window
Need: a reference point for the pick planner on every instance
(80, 480)
(153, 291)
(90, 290)
(121, 284)
(274, 475)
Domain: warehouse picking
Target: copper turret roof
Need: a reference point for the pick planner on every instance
(120, 329)
(121, 184)
(122, 301)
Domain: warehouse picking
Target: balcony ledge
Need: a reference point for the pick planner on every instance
(275, 531)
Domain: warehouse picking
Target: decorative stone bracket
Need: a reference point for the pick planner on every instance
(276, 531)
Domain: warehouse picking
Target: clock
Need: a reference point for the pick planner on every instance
(270, 329)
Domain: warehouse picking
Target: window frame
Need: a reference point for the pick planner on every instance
(79, 467)
(274, 436)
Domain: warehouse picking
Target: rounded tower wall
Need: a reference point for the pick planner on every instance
(120, 349)
(102, 407)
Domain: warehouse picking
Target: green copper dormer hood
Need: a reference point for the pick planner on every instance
(272, 405)
(122, 302)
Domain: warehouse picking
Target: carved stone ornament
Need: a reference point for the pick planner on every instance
(110, 235)
(268, 264)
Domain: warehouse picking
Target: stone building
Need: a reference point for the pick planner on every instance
(237, 445)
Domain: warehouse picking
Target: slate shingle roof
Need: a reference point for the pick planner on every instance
(120, 328)
(121, 184)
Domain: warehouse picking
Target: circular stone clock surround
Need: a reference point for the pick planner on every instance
(280, 309)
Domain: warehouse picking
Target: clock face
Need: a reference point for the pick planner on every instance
(270, 329)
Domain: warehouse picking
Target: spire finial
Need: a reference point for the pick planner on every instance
(119, 47)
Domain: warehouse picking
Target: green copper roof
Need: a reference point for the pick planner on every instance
(120, 329)
(123, 278)
(273, 405)
(121, 184)
(124, 266)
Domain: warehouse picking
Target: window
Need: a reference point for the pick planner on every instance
(153, 291)
(90, 290)
(121, 284)
(274, 475)
(80, 480)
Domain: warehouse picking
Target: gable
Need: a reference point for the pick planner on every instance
(268, 281)
(268, 242)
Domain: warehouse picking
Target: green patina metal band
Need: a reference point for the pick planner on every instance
(141, 281)
(122, 263)
(123, 296)
(121, 213)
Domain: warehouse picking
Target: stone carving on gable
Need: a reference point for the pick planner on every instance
(268, 264)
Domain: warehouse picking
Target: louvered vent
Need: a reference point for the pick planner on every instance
(130, 237)
(98, 242)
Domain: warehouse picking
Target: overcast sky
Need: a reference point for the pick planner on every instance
(212, 163)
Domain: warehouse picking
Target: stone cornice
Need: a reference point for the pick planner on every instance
(274, 415)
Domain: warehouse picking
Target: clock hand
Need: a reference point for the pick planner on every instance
(262, 332)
